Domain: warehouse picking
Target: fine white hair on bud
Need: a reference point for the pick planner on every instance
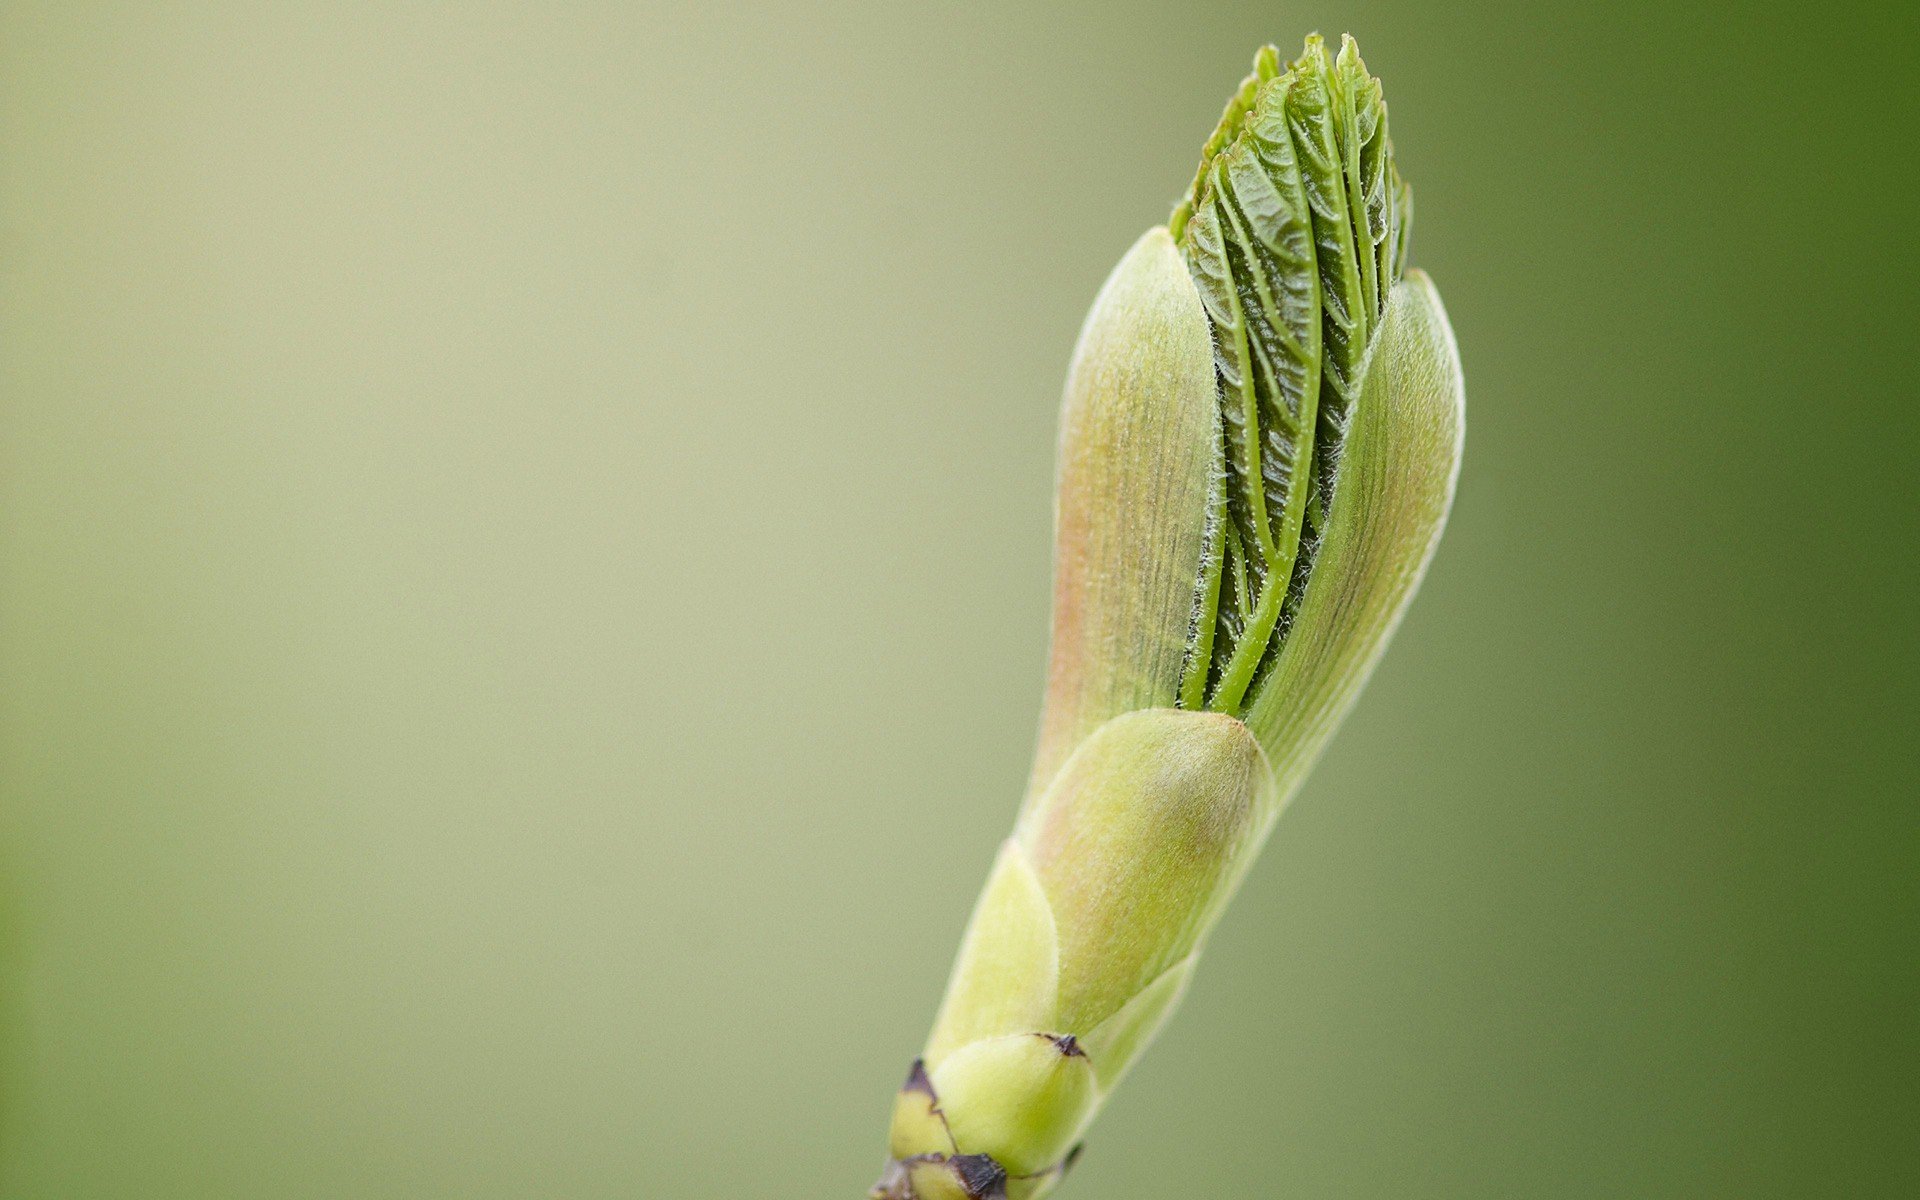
(1259, 443)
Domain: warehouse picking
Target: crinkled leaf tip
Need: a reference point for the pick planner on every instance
(1295, 230)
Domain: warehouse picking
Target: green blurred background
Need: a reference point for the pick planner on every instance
(525, 582)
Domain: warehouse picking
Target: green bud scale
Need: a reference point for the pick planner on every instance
(1259, 442)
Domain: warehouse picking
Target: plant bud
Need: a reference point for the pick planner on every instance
(1259, 444)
